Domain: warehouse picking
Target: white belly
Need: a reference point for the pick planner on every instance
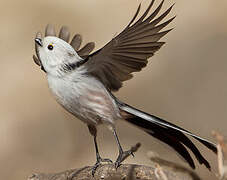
(86, 98)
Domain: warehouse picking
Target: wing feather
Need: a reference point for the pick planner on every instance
(139, 45)
(50, 30)
(76, 41)
(64, 33)
(129, 51)
(85, 51)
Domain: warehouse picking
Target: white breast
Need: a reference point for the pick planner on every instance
(85, 97)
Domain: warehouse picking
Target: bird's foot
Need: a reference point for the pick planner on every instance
(122, 156)
(98, 163)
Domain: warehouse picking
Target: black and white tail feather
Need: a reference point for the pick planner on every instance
(168, 133)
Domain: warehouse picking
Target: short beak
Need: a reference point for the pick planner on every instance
(38, 41)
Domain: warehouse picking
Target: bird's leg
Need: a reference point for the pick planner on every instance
(98, 157)
(99, 160)
(122, 154)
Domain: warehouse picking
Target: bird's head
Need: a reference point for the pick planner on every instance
(54, 54)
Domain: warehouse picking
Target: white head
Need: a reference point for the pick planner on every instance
(56, 55)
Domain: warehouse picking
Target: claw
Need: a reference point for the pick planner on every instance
(107, 160)
(132, 154)
(98, 163)
(122, 156)
(117, 164)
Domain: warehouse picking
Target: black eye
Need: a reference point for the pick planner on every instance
(50, 47)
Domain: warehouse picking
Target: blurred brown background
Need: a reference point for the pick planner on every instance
(185, 83)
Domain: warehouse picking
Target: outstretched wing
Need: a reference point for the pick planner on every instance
(128, 52)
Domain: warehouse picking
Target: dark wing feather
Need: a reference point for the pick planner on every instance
(64, 33)
(128, 52)
(85, 51)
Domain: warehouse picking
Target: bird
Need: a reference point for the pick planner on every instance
(83, 82)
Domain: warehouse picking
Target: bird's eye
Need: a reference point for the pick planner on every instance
(50, 47)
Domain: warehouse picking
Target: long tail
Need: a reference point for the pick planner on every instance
(168, 133)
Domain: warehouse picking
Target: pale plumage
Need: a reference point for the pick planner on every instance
(82, 82)
(85, 97)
